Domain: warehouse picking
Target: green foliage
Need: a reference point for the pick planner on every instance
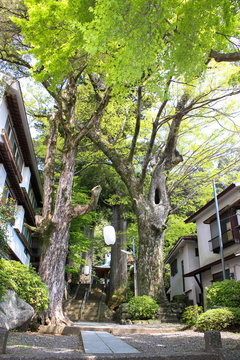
(215, 319)
(25, 282)
(7, 212)
(191, 315)
(143, 307)
(177, 228)
(223, 293)
(236, 316)
(126, 41)
(5, 282)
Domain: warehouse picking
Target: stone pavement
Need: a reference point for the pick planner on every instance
(101, 342)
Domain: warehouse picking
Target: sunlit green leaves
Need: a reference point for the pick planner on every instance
(127, 40)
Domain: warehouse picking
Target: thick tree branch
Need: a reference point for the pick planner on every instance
(156, 126)
(79, 210)
(224, 57)
(123, 168)
(170, 156)
(137, 126)
(98, 85)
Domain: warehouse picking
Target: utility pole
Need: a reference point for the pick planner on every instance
(219, 231)
(135, 269)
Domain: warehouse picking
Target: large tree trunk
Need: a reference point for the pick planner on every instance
(150, 263)
(152, 215)
(118, 275)
(53, 259)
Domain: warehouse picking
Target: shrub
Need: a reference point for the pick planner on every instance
(25, 282)
(6, 283)
(215, 319)
(191, 314)
(236, 316)
(223, 293)
(143, 307)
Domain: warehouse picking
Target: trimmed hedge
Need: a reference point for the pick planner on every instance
(215, 319)
(143, 307)
(223, 293)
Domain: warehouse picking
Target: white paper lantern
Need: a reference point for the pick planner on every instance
(86, 270)
(109, 235)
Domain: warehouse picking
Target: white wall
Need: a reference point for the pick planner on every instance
(203, 230)
(185, 253)
(19, 217)
(17, 246)
(3, 176)
(3, 115)
(26, 174)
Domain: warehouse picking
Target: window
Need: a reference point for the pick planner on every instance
(14, 145)
(219, 275)
(230, 232)
(32, 197)
(196, 252)
(174, 268)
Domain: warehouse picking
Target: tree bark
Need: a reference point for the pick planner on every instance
(53, 259)
(56, 237)
(225, 57)
(118, 275)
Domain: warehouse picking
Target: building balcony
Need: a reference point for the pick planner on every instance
(227, 240)
(7, 154)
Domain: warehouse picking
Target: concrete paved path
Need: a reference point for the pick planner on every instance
(101, 342)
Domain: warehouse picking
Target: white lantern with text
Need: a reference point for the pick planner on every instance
(109, 235)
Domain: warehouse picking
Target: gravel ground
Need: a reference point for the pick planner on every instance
(32, 343)
(161, 344)
(177, 342)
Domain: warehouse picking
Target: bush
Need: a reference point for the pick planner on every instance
(215, 319)
(191, 315)
(6, 283)
(236, 316)
(223, 293)
(26, 283)
(143, 307)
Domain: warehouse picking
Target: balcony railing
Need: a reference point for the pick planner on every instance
(227, 240)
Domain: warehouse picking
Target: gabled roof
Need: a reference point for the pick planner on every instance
(178, 245)
(193, 217)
